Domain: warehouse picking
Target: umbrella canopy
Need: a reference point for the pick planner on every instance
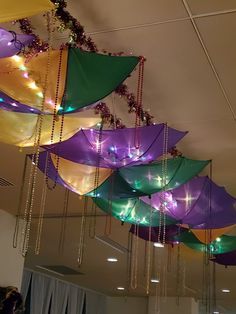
(199, 203)
(76, 177)
(85, 78)
(128, 182)
(20, 128)
(226, 259)
(220, 245)
(122, 186)
(117, 146)
(15, 10)
(12, 43)
(170, 232)
(131, 211)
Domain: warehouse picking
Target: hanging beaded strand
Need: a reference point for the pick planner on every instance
(139, 103)
(64, 222)
(164, 166)
(55, 119)
(34, 165)
(110, 198)
(18, 214)
(82, 232)
(41, 217)
(92, 222)
(134, 258)
(149, 249)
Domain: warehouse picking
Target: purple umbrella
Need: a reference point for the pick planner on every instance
(171, 231)
(227, 259)
(9, 104)
(200, 203)
(12, 43)
(117, 146)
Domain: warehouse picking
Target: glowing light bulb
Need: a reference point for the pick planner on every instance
(40, 94)
(16, 58)
(9, 43)
(14, 104)
(218, 239)
(26, 75)
(22, 67)
(1, 100)
(32, 85)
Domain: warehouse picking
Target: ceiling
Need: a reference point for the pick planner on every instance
(190, 76)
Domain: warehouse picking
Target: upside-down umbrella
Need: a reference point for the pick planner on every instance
(20, 128)
(14, 10)
(75, 78)
(180, 170)
(199, 203)
(76, 177)
(220, 245)
(132, 211)
(226, 259)
(12, 43)
(135, 181)
(116, 148)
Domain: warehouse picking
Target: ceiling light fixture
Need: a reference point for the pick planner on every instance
(112, 259)
(225, 290)
(158, 244)
(120, 288)
(216, 312)
(154, 280)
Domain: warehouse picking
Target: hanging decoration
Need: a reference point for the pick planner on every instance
(136, 181)
(132, 211)
(117, 146)
(220, 245)
(20, 128)
(12, 43)
(96, 76)
(226, 259)
(77, 178)
(78, 38)
(192, 206)
(128, 182)
(14, 10)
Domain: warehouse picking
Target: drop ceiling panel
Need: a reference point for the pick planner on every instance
(209, 6)
(179, 84)
(97, 15)
(218, 35)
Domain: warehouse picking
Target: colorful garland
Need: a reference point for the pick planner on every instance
(78, 38)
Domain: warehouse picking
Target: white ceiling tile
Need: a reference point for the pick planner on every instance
(98, 15)
(218, 35)
(179, 84)
(209, 6)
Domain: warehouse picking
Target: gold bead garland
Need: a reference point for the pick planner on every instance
(82, 232)
(35, 158)
(63, 222)
(17, 223)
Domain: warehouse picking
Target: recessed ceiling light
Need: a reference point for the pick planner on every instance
(112, 259)
(216, 312)
(154, 280)
(225, 290)
(158, 244)
(120, 288)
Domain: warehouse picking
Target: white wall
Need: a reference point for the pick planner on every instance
(127, 305)
(169, 306)
(11, 261)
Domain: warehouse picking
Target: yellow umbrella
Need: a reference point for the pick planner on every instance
(14, 9)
